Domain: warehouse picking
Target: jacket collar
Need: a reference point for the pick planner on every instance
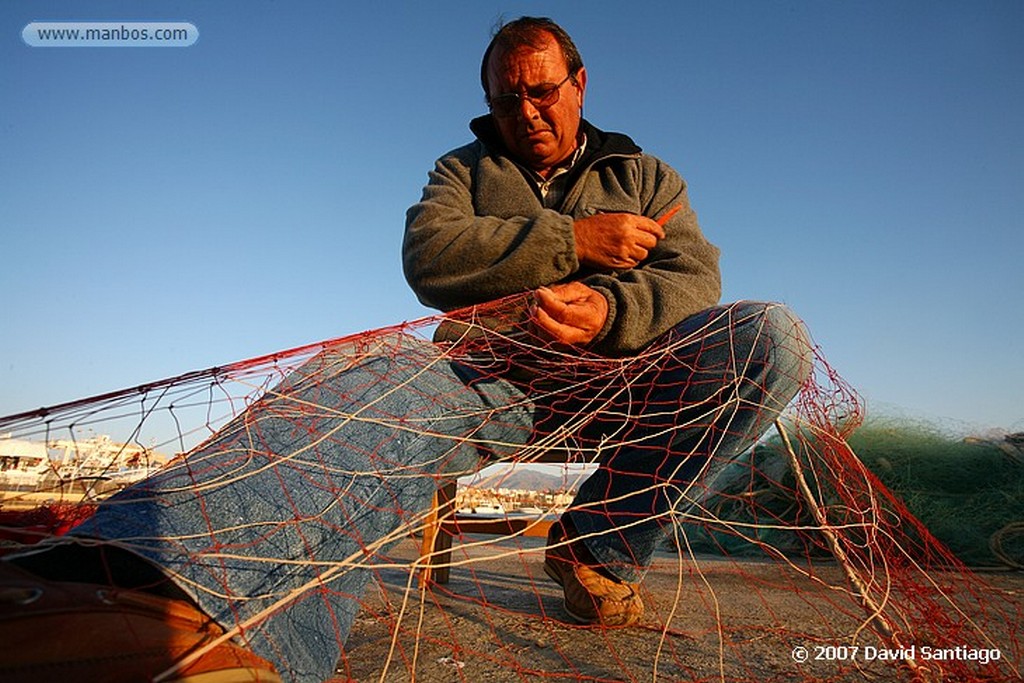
(600, 144)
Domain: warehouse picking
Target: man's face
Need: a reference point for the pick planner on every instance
(539, 138)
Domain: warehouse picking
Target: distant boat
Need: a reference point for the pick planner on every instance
(528, 511)
(23, 464)
(485, 510)
(70, 471)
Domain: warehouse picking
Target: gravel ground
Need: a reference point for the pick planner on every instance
(707, 619)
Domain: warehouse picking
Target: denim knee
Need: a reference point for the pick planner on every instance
(779, 338)
(792, 347)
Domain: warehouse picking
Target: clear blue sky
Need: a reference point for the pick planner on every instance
(170, 209)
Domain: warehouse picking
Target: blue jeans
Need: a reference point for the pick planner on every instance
(275, 521)
(727, 374)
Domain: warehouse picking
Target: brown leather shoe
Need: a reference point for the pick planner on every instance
(592, 595)
(61, 631)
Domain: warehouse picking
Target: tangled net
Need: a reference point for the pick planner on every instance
(859, 589)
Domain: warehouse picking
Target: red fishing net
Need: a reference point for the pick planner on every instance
(788, 561)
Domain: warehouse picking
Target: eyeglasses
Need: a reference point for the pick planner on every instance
(540, 96)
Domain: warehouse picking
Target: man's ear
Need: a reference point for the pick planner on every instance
(581, 83)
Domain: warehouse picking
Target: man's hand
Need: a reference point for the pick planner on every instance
(615, 241)
(570, 313)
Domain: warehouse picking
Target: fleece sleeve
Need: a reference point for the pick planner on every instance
(453, 257)
(679, 277)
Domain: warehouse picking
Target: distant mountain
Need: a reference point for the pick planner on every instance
(522, 479)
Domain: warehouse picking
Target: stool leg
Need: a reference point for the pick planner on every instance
(436, 539)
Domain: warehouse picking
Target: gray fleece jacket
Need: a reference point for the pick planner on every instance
(480, 233)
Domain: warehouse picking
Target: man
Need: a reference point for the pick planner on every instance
(574, 202)
(267, 531)
(544, 201)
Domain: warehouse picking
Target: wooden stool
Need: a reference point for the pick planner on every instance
(442, 525)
